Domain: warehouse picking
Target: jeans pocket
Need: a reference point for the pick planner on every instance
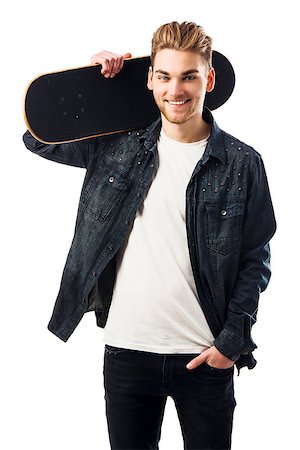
(111, 350)
(217, 370)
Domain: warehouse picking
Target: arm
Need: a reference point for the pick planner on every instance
(253, 278)
(74, 154)
(254, 272)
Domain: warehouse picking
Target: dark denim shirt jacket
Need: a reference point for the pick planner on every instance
(229, 222)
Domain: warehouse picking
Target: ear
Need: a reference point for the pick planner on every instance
(211, 78)
(150, 79)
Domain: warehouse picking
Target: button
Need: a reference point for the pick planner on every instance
(94, 274)
(111, 179)
(223, 212)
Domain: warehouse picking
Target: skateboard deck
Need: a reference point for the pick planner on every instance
(81, 103)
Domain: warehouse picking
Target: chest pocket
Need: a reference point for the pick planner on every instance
(109, 190)
(223, 226)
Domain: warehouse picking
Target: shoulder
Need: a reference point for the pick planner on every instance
(234, 143)
(116, 148)
(120, 136)
(236, 148)
(243, 157)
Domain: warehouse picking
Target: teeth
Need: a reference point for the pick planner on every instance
(177, 103)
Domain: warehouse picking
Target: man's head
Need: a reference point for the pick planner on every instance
(181, 72)
(186, 36)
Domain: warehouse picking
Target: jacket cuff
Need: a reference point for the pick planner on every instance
(233, 346)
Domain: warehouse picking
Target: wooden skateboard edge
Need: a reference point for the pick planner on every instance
(83, 138)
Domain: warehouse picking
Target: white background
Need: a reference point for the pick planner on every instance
(51, 392)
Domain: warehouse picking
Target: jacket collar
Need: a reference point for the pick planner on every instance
(215, 145)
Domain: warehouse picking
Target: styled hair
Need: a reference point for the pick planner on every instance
(186, 36)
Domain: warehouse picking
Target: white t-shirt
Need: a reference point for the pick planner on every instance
(154, 305)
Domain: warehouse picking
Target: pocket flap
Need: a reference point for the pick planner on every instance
(225, 211)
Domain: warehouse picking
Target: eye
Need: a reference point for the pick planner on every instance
(189, 77)
(163, 77)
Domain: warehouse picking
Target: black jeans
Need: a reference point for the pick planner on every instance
(137, 385)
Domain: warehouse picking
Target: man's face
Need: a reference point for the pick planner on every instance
(179, 81)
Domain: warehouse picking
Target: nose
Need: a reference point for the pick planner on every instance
(175, 88)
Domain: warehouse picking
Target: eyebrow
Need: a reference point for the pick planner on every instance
(186, 72)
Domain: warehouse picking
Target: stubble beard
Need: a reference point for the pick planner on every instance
(178, 118)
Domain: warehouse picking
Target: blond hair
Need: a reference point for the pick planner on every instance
(186, 36)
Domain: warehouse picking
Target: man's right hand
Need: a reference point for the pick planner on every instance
(111, 63)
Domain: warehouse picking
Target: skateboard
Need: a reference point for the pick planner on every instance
(81, 103)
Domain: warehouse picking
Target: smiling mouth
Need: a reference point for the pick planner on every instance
(180, 102)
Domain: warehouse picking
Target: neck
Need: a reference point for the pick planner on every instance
(193, 130)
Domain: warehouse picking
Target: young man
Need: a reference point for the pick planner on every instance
(171, 250)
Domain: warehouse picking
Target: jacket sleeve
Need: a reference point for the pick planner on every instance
(75, 154)
(254, 269)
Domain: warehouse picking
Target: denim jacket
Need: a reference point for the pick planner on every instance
(229, 222)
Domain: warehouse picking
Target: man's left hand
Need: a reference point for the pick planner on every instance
(213, 358)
